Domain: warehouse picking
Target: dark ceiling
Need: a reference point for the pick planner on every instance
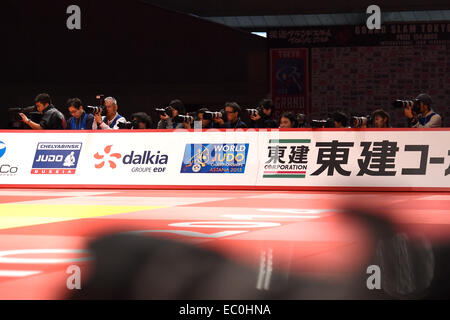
(211, 8)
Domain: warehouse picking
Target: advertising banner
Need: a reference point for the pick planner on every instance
(281, 159)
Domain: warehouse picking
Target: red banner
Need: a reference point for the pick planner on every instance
(290, 80)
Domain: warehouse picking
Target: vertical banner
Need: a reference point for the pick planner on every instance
(290, 80)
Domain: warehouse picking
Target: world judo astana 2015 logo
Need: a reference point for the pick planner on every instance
(199, 159)
(215, 158)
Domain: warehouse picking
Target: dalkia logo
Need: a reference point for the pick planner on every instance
(56, 158)
(215, 158)
(107, 151)
(145, 158)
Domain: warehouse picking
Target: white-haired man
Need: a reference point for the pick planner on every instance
(111, 118)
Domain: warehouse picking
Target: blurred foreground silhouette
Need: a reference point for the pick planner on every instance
(128, 266)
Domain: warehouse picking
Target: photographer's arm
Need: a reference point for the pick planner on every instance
(219, 121)
(412, 117)
(31, 124)
(98, 123)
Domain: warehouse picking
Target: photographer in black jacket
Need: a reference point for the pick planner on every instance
(52, 118)
(263, 118)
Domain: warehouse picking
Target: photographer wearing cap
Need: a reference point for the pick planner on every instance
(52, 118)
(425, 117)
(80, 120)
(176, 108)
(108, 122)
(263, 118)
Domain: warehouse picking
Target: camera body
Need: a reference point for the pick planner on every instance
(328, 123)
(128, 125)
(29, 111)
(163, 111)
(255, 112)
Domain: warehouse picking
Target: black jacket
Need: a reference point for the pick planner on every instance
(264, 122)
(52, 118)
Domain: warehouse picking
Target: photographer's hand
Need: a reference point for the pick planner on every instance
(164, 117)
(255, 118)
(219, 121)
(24, 118)
(98, 119)
(31, 124)
(409, 113)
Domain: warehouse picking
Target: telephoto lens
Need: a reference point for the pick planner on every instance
(183, 118)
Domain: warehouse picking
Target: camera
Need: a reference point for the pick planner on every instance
(30, 111)
(100, 100)
(91, 109)
(23, 110)
(301, 120)
(328, 123)
(183, 118)
(209, 115)
(128, 125)
(415, 104)
(358, 122)
(163, 111)
(253, 112)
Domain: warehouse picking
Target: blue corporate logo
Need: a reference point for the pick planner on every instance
(2, 149)
(56, 158)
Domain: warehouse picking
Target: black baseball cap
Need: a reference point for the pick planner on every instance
(425, 98)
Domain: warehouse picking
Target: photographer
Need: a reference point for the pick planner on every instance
(141, 120)
(381, 119)
(263, 118)
(108, 122)
(206, 123)
(167, 120)
(425, 117)
(288, 120)
(232, 111)
(52, 118)
(340, 120)
(80, 120)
